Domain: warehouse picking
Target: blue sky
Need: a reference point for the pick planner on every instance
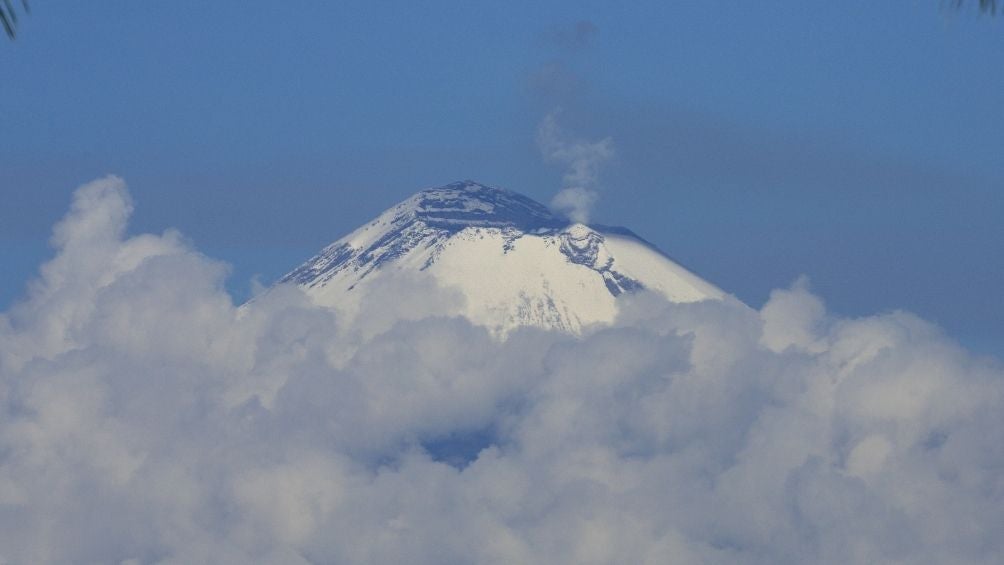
(857, 142)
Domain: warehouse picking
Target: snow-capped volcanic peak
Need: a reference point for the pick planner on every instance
(513, 261)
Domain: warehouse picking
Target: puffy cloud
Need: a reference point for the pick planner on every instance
(145, 418)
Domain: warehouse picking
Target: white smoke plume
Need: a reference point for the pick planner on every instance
(147, 419)
(582, 160)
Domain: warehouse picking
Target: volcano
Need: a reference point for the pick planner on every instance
(513, 261)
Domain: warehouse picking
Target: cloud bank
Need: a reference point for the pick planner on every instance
(147, 419)
(582, 160)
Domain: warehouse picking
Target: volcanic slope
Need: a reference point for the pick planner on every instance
(513, 261)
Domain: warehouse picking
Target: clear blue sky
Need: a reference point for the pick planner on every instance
(858, 142)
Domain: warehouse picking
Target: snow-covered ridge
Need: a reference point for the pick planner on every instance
(425, 219)
(514, 262)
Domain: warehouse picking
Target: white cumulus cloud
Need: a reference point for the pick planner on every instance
(146, 418)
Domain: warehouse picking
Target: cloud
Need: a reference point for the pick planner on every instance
(147, 419)
(582, 160)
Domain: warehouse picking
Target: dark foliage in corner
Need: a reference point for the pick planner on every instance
(986, 6)
(8, 16)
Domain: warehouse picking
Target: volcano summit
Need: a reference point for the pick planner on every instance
(512, 260)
